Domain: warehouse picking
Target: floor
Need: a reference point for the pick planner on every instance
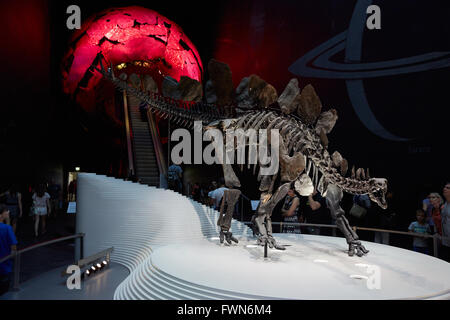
(52, 286)
(43, 259)
(41, 268)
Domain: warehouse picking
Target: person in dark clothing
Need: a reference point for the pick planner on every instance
(290, 212)
(54, 191)
(13, 201)
(385, 219)
(196, 192)
(316, 212)
(8, 244)
(72, 190)
(174, 178)
(143, 111)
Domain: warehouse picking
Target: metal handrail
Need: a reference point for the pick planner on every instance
(424, 235)
(42, 244)
(128, 134)
(157, 144)
(435, 236)
(245, 197)
(17, 253)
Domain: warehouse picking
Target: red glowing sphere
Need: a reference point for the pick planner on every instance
(127, 35)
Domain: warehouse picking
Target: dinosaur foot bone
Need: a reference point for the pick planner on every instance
(271, 242)
(229, 237)
(358, 248)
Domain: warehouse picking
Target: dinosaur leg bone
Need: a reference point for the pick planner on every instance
(231, 180)
(263, 219)
(333, 198)
(230, 197)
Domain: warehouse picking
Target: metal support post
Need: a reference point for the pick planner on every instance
(265, 249)
(435, 245)
(16, 272)
(81, 248)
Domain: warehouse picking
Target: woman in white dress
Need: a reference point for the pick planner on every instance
(41, 204)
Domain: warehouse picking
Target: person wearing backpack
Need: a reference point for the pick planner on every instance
(174, 177)
(359, 209)
(13, 201)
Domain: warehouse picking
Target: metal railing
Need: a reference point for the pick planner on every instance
(436, 237)
(128, 135)
(17, 254)
(242, 198)
(157, 146)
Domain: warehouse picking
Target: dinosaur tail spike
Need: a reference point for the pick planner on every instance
(363, 174)
(358, 174)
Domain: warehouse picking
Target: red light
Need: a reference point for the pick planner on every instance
(125, 35)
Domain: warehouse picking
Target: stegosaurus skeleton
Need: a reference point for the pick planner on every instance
(309, 158)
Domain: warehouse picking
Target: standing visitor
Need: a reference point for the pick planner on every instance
(72, 190)
(174, 178)
(196, 192)
(41, 205)
(445, 216)
(316, 212)
(54, 190)
(435, 213)
(289, 212)
(385, 219)
(217, 194)
(13, 201)
(420, 244)
(8, 245)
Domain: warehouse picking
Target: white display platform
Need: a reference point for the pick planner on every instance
(170, 245)
(311, 267)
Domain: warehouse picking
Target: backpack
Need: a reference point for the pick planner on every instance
(172, 175)
(357, 210)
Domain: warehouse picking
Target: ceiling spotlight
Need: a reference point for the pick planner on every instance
(99, 265)
(88, 272)
(93, 268)
(77, 168)
(104, 262)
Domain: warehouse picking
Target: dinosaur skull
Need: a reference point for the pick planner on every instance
(378, 189)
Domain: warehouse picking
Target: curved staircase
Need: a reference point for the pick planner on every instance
(136, 219)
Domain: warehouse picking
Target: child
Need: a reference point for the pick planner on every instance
(8, 244)
(420, 226)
